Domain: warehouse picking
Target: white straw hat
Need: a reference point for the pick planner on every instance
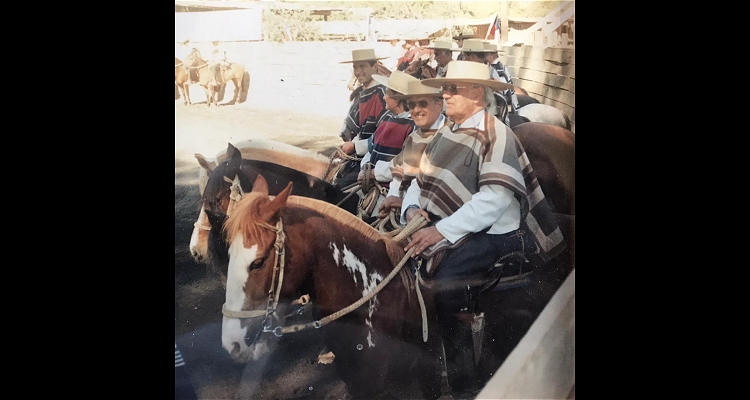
(474, 46)
(468, 72)
(416, 89)
(442, 45)
(397, 81)
(363, 55)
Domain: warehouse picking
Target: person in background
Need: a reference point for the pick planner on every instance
(395, 52)
(410, 50)
(183, 53)
(443, 54)
(426, 106)
(218, 55)
(460, 42)
(474, 50)
(494, 61)
(365, 112)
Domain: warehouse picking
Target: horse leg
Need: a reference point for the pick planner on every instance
(237, 86)
(186, 91)
(208, 95)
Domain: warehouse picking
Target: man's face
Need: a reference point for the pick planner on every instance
(443, 57)
(491, 57)
(460, 100)
(391, 104)
(363, 71)
(460, 42)
(424, 117)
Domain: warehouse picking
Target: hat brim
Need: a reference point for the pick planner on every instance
(409, 96)
(461, 37)
(381, 79)
(493, 84)
(369, 59)
(475, 51)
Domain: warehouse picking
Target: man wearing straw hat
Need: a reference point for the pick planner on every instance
(472, 187)
(366, 110)
(426, 107)
(494, 61)
(475, 50)
(443, 53)
(388, 139)
(460, 42)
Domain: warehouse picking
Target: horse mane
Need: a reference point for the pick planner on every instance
(248, 209)
(307, 161)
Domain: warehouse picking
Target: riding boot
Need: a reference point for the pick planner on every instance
(454, 315)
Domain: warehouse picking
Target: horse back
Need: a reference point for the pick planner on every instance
(551, 151)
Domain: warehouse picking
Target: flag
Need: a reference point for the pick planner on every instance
(371, 36)
(495, 27)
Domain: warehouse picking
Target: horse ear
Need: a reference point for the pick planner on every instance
(260, 185)
(208, 165)
(234, 159)
(271, 210)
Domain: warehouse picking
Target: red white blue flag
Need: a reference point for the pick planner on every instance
(495, 27)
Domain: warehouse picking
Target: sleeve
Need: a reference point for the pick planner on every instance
(383, 172)
(486, 205)
(410, 198)
(393, 188)
(365, 159)
(360, 146)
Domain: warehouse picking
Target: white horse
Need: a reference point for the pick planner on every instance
(538, 112)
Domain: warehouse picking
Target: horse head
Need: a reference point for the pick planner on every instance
(256, 259)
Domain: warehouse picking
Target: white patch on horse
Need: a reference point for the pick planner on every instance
(358, 269)
(194, 236)
(239, 259)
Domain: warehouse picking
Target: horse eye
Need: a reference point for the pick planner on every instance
(257, 263)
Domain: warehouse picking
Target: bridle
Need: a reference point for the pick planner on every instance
(235, 194)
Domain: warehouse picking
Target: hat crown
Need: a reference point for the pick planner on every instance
(398, 80)
(441, 45)
(467, 70)
(473, 46)
(417, 88)
(363, 55)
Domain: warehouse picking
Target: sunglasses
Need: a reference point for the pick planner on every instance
(420, 103)
(452, 89)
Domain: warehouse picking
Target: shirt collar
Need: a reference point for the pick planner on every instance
(475, 121)
(438, 123)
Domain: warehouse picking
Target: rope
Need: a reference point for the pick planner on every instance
(336, 162)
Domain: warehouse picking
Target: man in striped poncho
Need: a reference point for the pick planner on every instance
(366, 110)
(476, 186)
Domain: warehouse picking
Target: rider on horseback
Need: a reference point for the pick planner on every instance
(472, 186)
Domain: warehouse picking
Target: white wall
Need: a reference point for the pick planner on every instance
(224, 26)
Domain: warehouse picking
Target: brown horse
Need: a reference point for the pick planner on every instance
(181, 79)
(213, 77)
(286, 246)
(551, 151)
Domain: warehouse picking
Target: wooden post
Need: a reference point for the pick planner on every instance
(503, 22)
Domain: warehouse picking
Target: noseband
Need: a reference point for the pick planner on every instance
(235, 194)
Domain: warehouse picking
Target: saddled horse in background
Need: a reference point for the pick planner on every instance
(207, 243)
(213, 77)
(289, 246)
(181, 79)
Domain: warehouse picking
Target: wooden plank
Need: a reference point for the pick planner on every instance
(543, 90)
(542, 365)
(537, 64)
(563, 82)
(542, 53)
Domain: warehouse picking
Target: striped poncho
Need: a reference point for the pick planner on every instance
(389, 137)
(456, 165)
(366, 110)
(405, 166)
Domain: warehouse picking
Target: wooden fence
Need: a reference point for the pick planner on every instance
(548, 74)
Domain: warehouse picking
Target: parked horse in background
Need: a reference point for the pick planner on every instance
(372, 324)
(181, 79)
(222, 74)
(207, 243)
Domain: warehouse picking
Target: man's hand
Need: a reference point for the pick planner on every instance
(424, 238)
(361, 176)
(412, 212)
(348, 147)
(390, 202)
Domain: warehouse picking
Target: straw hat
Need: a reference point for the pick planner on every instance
(474, 46)
(363, 55)
(416, 89)
(397, 81)
(467, 72)
(492, 48)
(462, 36)
(441, 45)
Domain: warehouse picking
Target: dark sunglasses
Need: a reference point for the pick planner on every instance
(452, 89)
(421, 103)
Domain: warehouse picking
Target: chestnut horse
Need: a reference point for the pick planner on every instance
(181, 79)
(213, 77)
(207, 243)
(283, 247)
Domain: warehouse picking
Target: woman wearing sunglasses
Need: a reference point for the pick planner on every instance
(472, 187)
